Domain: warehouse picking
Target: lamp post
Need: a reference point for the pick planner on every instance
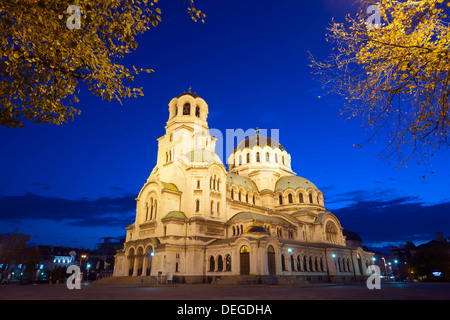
(385, 266)
(396, 264)
(83, 256)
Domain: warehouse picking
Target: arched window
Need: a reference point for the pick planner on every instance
(331, 232)
(310, 198)
(212, 207)
(227, 262)
(232, 194)
(197, 112)
(254, 199)
(156, 208)
(212, 264)
(290, 198)
(257, 157)
(151, 208)
(300, 198)
(239, 196)
(283, 263)
(146, 211)
(299, 265)
(246, 197)
(248, 157)
(198, 184)
(219, 263)
(292, 263)
(197, 205)
(267, 157)
(186, 109)
(280, 199)
(240, 160)
(276, 157)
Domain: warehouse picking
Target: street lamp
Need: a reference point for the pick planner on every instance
(83, 256)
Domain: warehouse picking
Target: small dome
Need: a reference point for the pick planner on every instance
(203, 155)
(261, 141)
(178, 215)
(294, 183)
(241, 181)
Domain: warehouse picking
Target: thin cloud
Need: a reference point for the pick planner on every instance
(81, 212)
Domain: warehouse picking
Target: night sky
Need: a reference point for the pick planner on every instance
(72, 184)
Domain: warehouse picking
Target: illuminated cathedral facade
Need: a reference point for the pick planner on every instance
(257, 222)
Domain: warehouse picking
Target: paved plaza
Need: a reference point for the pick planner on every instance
(202, 292)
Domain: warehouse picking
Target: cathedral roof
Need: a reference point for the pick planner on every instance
(260, 141)
(169, 186)
(258, 217)
(175, 215)
(192, 94)
(241, 181)
(294, 183)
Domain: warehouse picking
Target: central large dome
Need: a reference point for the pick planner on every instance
(260, 141)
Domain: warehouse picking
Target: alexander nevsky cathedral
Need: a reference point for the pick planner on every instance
(256, 223)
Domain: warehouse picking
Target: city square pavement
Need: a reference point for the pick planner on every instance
(202, 292)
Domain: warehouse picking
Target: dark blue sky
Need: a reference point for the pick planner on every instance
(75, 183)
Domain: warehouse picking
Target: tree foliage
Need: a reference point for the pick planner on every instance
(396, 75)
(42, 61)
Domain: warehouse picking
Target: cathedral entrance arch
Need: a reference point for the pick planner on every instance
(271, 260)
(244, 256)
(148, 260)
(139, 260)
(130, 261)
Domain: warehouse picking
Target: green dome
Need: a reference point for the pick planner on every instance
(203, 155)
(175, 215)
(240, 181)
(259, 218)
(294, 183)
